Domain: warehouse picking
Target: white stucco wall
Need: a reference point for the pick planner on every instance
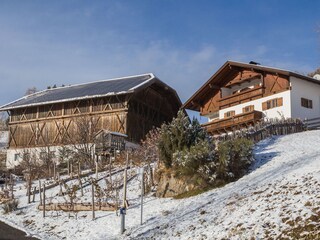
(277, 112)
(34, 152)
(304, 89)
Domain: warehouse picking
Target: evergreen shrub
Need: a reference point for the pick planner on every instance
(234, 158)
(186, 150)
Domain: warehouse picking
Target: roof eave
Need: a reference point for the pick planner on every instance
(3, 108)
(189, 105)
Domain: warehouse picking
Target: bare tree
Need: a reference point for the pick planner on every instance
(4, 121)
(147, 154)
(82, 141)
(47, 155)
(31, 91)
(65, 156)
(3, 158)
(317, 71)
(71, 193)
(31, 165)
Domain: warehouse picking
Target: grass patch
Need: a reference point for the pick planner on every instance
(198, 191)
(190, 193)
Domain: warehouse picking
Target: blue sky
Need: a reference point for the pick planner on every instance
(183, 42)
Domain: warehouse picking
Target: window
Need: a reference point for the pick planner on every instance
(229, 114)
(276, 102)
(248, 109)
(306, 103)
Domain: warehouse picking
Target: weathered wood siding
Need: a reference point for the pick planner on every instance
(149, 109)
(56, 124)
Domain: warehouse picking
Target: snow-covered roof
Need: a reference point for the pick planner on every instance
(96, 89)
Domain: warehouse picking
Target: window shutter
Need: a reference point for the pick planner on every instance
(229, 114)
(264, 106)
(279, 102)
(249, 108)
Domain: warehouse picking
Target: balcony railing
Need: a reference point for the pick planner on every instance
(240, 97)
(235, 122)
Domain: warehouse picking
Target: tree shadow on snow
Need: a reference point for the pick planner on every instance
(262, 153)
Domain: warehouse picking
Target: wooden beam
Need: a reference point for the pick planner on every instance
(71, 116)
(212, 86)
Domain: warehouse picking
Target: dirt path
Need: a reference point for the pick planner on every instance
(10, 233)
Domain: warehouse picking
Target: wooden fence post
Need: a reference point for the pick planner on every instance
(93, 210)
(40, 194)
(34, 193)
(44, 200)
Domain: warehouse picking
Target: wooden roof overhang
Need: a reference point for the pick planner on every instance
(228, 70)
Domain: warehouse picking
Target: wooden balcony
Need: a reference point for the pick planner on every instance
(231, 123)
(241, 97)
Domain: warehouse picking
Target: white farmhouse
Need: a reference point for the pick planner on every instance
(240, 94)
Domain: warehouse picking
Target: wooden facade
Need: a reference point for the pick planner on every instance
(269, 84)
(132, 113)
(235, 84)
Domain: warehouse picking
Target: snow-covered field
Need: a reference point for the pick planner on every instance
(281, 195)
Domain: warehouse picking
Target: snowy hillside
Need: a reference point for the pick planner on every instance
(281, 192)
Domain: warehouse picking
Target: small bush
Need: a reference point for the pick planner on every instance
(188, 161)
(10, 206)
(235, 156)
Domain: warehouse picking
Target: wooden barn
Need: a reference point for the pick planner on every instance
(241, 94)
(130, 105)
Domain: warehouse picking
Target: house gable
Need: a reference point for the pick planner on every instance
(235, 83)
(244, 86)
(240, 94)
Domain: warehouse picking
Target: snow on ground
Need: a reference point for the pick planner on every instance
(281, 192)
